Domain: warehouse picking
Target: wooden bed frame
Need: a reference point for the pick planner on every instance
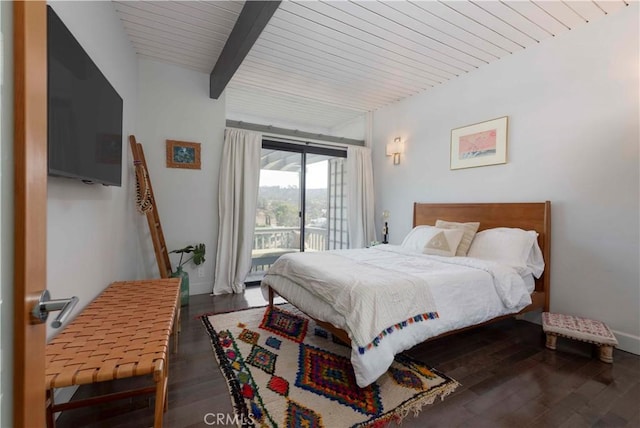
(528, 216)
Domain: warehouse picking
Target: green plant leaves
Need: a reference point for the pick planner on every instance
(198, 254)
(187, 249)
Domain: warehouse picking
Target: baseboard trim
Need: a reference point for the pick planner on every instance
(627, 342)
(200, 288)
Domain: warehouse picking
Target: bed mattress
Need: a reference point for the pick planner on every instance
(465, 292)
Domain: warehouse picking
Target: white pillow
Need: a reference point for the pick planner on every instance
(535, 261)
(433, 240)
(513, 247)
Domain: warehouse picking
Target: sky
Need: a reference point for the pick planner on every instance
(316, 177)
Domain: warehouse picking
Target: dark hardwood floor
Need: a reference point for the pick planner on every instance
(508, 377)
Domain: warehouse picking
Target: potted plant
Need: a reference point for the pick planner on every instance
(197, 257)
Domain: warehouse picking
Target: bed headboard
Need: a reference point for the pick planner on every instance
(528, 216)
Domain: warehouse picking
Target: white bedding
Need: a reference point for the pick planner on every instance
(465, 291)
(356, 285)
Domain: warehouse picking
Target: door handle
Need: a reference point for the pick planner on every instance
(41, 310)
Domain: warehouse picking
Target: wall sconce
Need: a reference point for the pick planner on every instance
(395, 149)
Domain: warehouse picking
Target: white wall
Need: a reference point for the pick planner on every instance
(92, 229)
(573, 114)
(175, 105)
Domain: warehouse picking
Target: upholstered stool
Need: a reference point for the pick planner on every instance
(582, 329)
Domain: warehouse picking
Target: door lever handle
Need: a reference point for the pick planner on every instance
(41, 310)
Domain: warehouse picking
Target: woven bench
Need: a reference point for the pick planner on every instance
(582, 329)
(123, 333)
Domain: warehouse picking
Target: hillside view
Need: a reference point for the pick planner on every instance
(279, 206)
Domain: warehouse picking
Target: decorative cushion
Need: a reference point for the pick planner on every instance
(584, 329)
(469, 229)
(443, 242)
(432, 240)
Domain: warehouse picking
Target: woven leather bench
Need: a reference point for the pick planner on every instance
(582, 329)
(123, 333)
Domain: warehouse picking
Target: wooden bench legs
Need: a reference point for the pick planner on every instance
(175, 331)
(160, 378)
(605, 352)
(552, 340)
(49, 416)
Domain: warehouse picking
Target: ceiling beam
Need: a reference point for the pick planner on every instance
(253, 17)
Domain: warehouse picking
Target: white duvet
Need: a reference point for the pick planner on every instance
(463, 291)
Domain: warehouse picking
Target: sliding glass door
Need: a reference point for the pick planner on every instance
(325, 203)
(278, 222)
(301, 202)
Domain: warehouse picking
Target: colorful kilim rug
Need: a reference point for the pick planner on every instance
(284, 371)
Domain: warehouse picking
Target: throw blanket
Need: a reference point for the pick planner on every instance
(356, 289)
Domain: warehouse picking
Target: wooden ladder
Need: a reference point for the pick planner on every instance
(153, 219)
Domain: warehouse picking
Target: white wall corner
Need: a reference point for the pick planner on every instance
(368, 130)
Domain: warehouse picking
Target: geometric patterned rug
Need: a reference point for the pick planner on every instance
(283, 370)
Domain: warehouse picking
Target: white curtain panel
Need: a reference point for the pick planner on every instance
(362, 228)
(237, 198)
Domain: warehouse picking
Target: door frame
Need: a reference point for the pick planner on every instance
(303, 149)
(30, 209)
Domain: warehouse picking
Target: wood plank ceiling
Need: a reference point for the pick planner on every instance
(320, 64)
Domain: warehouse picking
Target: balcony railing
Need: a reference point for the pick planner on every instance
(269, 243)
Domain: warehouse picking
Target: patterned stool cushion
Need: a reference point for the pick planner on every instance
(578, 328)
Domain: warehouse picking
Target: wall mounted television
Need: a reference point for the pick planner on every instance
(84, 112)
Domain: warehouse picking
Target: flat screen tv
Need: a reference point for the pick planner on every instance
(84, 112)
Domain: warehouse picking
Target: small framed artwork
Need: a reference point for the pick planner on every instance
(480, 144)
(182, 154)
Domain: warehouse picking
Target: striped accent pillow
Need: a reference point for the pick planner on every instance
(469, 229)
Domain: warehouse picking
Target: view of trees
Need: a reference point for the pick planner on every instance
(283, 205)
